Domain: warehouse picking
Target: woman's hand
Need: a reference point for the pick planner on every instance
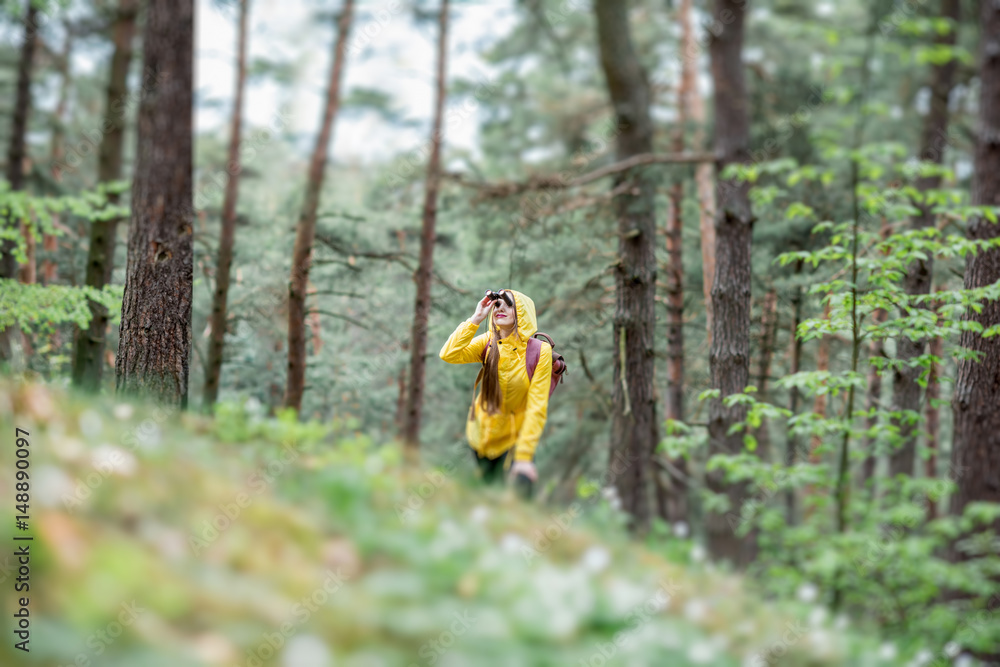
(482, 308)
(526, 468)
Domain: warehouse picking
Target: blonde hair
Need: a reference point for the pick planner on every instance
(492, 395)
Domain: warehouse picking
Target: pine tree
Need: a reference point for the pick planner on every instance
(155, 335)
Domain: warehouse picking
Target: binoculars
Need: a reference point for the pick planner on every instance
(497, 296)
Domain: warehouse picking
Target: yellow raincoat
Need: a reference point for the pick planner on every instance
(525, 405)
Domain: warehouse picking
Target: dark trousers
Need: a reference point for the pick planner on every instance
(493, 472)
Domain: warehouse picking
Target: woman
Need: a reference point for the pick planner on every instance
(507, 417)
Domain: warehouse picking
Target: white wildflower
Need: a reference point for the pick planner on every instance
(595, 559)
(807, 592)
(122, 411)
(887, 651)
(90, 424)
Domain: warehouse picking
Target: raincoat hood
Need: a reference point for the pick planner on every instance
(527, 324)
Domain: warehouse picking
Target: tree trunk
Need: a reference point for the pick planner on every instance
(422, 307)
(795, 361)
(634, 424)
(675, 306)
(223, 265)
(695, 106)
(155, 333)
(672, 487)
(819, 407)
(768, 334)
(50, 244)
(876, 350)
(819, 402)
(16, 150)
(730, 352)
(936, 349)
(88, 355)
(975, 454)
(400, 398)
(905, 390)
(302, 252)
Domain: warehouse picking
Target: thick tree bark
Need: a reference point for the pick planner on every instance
(88, 354)
(975, 454)
(155, 333)
(634, 430)
(905, 389)
(730, 352)
(425, 270)
(302, 252)
(217, 319)
(16, 150)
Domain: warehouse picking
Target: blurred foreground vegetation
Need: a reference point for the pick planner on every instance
(165, 538)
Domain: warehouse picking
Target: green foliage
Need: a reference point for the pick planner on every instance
(890, 566)
(40, 310)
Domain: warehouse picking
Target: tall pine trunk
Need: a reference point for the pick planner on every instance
(704, 183)
(634, 431)
(302, 252)
(675, 303)
(794, 363)
(905, 389)
(873, 403)
(876, 349)
(16, 150)
(155, 335)
(933, 415)
(217, 319)
(730, 352)
(975, 453)
(673, 506)
(768, 336)
(88, 354)
(422, 278)
(50, 244)
(819, 401)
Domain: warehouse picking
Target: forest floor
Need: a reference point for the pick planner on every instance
(169, 538)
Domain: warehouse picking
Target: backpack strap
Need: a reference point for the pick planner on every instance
(532, 354)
